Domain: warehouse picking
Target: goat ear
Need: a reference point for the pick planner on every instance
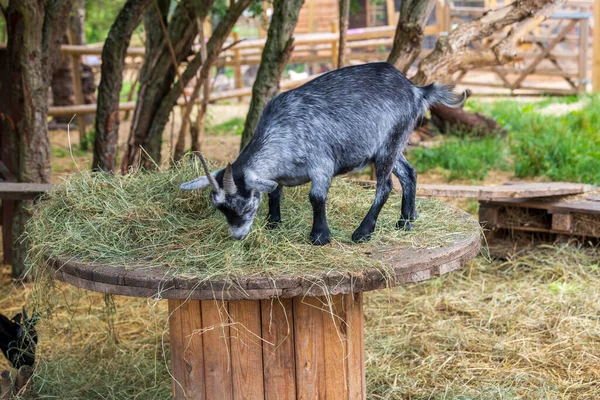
(198, 183)
(261, 185)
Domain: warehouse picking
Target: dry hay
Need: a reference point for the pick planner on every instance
(121, 220)
(586, 224)
(520, 216)
(528, 328)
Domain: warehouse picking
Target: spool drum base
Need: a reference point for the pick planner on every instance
(282, 348)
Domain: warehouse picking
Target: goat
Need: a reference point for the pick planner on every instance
(339, 122)
(18, 339)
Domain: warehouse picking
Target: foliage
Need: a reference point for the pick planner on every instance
(99, 16)
(559, 147)
(233, 126)
(539, 143)
(461, 157)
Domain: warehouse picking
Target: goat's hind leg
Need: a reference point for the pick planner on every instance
(407, 176)
(274, 208)
(384, 187)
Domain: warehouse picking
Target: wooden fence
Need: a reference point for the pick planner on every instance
(550, 51)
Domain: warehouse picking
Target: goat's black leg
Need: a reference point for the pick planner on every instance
(320, 234)
(384, 187)
(407, 176)
(274, 208)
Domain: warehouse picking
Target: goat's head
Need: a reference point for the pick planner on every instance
(237, 196)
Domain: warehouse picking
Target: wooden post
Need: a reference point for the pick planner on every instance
(311, 16)
(262, 31)
(334, 46)
(299, 348)
(77, 89)
(596, 50)
(237, 54)
(583, 45)
(391, 14)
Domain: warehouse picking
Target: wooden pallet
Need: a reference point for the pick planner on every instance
(579, 218)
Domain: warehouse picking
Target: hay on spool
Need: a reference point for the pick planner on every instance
(144, 217)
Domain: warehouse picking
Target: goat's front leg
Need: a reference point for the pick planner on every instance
(384, 187)
(274, 208)
(407, 176)
(320, 234)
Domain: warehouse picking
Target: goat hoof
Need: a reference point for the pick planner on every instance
(360, 237)
(320, 240)
(273, 224)
(404, 225)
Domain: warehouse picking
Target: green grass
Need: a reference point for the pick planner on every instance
(234, 126)
(557, 147)
(462, 158)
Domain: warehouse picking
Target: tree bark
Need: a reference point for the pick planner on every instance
(410, 33)
(163, 55)
(344, 22)
(111, 81)
(275, 55)
(35, 31)
(453, 52)
(458, 120)
(150, 139)
(185, 118)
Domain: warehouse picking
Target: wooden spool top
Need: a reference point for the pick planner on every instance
(407, 265)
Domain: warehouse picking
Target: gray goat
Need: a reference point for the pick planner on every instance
(336, 123)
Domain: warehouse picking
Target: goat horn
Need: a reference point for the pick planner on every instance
(211, 179)
(228, 182)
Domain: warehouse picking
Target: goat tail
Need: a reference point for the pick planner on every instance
(442, 94)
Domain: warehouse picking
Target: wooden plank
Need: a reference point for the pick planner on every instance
(521, 190)
(586, 207)
(308, 334)
(582, 62)
(23, 191)
(596, 48)
(355, 357)
(335, 343)
(246, 349)
(217, 361)
(562, 222)
(176, 348)
(193, 356)
(77, 88)
(278, 349)
(8, 210)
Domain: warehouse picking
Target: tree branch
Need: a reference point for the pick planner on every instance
(452, 52)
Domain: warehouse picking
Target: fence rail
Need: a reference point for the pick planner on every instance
(556, 49)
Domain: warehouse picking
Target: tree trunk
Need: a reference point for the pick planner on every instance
(111, 81)
(458, 120)
(410, 32)
(150, 139)
(275, 55)
(35, 34)
(344, 22)
(62, 85)
(159, 70)
(187, 113)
